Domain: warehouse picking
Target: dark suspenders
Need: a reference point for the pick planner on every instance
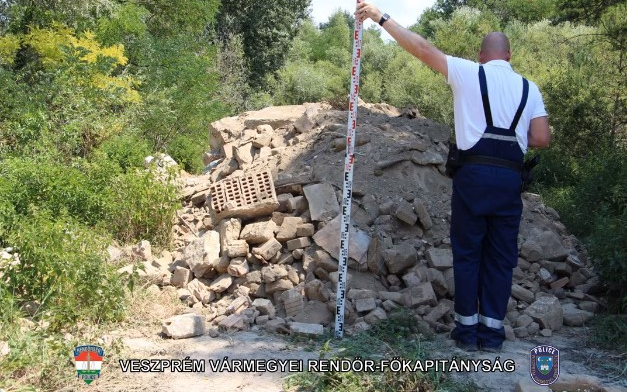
(486, 102)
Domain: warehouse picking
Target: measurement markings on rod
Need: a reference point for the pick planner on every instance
(349, 161)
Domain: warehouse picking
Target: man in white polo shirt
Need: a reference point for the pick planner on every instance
(498, 115)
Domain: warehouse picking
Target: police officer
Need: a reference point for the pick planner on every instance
(498, 115)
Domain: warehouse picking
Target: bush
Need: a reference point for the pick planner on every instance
(140, 207)
(62, 266)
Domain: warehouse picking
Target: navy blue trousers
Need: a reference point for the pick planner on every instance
(486, 209)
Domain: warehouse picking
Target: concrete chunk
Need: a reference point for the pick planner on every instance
(322, 201)
(441, 259)
(522, 294)
(259, 232)
(305, 329)
(268, 249)
(181, 277)
(405, 213)
(264, 306)
(547, 312)
(327, 238)
(365, 304)
(298, 243)
(400, 258)
(184, 326)
(422, 294)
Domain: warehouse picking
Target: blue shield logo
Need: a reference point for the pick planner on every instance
(544, 362)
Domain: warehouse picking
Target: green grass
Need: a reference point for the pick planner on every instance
(392, 338)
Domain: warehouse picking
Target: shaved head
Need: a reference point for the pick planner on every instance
(495, 46)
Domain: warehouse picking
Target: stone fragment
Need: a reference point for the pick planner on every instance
(298, 243)
(522, 293)
(523, 321)
(589, 306)
(391, 296)
(547, 312)
(423, 214)
(575, 317)
(558, 284)
(297, 204)
(184, 326)
(237, 306)
(437, 313)
(200, 290)
(181, 277)
(328, 236)
(325, 261)
(305, 230)
(288, 228)
(438, 281)
(389, 305)
(143, 250)
(221, 283)
(268, 249)
(422, 294)
(543, 245)
(375, 261)
(237, 248)
(272, 273)
(243, 154)
(322, 201)
(277, 325)
(315, 312)
(279, 285)
(375, 316)
(234, 321)
(303, 329)
(229, 230)
(440, 258)
(264, 306)
(238, 267)
(316, 290)
(405, 213)
(365, 304)
(400, 257)
(293, 302)
(259, 232)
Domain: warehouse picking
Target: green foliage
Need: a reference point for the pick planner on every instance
(461, 35)
(267, 28)
(62, 267)
(141, 208)
(391, 338)
(172, 18)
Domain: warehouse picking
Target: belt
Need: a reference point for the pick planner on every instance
(492, 161)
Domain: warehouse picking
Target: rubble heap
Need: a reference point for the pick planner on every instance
(258, 239)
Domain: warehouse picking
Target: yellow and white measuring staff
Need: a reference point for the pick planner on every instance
(349, 161)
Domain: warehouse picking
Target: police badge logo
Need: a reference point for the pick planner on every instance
(544, 364)
(88, 362)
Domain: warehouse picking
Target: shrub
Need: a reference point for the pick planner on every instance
(141, 207)
(63, 267)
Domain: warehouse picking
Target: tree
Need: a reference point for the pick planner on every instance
(267, 29)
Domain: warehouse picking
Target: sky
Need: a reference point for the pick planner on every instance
(405, 12)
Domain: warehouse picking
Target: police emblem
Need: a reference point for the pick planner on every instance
(88, 362)
(544, 364)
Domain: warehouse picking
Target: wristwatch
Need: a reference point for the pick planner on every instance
(384, 19)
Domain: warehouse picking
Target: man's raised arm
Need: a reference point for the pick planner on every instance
(408, 40)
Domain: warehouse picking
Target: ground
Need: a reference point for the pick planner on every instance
(143, 340)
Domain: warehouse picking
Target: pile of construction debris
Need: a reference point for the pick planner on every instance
(257, 242)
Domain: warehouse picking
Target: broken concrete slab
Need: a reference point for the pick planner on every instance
(323, 203)
(329, 239)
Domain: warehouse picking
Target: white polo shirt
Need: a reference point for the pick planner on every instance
(504, 92)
